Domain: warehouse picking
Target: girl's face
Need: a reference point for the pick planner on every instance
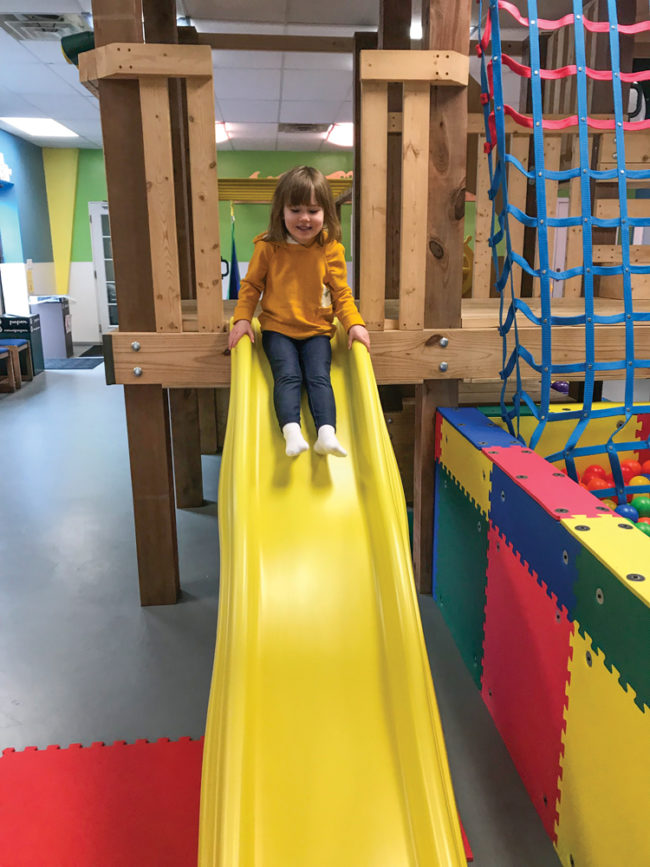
(304, 222)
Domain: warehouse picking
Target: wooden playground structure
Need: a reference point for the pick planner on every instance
(157, 107)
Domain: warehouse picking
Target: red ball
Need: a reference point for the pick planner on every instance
(596, 484)
(628, 473)
(643, 521)
(635, 466)
(592, 472)
(645, 468)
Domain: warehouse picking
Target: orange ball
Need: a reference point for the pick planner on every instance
(643, 521)
(596, 484)
(635, 466)
(645, 467)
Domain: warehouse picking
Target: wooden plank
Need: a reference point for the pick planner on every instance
(428, 397)
(222, 396)
(123, 60)
(415, 173)
(612, 287)
(612, 254)
(188, 474)
(272, 42)
(147, 413)
(205, 203)
(159, 168)
(260, 190)
(442, 67)
(637, 150)
(517, 187)
(374, 139)
(476, 125)
(574, 246)
(481, 276)
(610, 209)
(208, 421)
(551, 163)
(200, 360)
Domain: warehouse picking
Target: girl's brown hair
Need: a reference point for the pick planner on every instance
(296, 187)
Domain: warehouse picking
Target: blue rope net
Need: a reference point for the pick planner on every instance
(516, 356)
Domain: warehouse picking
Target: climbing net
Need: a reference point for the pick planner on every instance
(512, 307)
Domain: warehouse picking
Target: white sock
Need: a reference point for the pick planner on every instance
(327, 443)
(294, 439)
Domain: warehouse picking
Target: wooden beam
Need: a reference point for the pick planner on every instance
(159, 169)
(147, 410)
(269, 42)
(415, 175)
(124, 60)
(374, 139)
(442, 67)
(205, 203)
(362, 41)
(186, 447)
(482, 266)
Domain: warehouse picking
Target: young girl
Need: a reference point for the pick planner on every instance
(298, 269)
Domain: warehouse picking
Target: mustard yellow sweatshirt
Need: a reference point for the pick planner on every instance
(302, 288)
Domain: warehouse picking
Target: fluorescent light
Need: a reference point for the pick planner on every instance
(341, 134)
(40, 127)
(221, 132)
(416, 30)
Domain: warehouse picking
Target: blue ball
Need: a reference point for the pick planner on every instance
(627, 511)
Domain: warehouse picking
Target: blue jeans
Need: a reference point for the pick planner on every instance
(294, 362)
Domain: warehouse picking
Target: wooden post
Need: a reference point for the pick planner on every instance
(160, 27)
(394, 32)
(362, 41)
(445, 25)
(147, 409)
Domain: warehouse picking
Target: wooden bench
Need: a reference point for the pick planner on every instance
(8, 381)
(21, 358)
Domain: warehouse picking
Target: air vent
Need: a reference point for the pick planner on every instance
(28, 28)
(304, 127)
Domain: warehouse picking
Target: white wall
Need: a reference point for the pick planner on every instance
(83, 303)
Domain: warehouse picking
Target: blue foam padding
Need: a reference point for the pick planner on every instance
(477, 428)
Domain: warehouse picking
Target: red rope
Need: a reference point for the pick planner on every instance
(564, 71)
(593, 26)
(572, 120)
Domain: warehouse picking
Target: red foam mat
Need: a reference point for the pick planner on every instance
(125, 805)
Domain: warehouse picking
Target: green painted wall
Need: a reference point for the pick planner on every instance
(91, 187)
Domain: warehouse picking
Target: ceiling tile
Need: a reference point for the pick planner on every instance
(312, 84)
(12, 52)
(357, 14)
(299, 142)
(309, 112)
(317, 60)
(247, 83)
(15, 105)
(346, 113)
(249, 110)
(254, 144)
(33, 78)
(71, 106)
(237, 10)
(46, 50)
(252, 130)
(247, 59)
(70, 74)
(87, 128)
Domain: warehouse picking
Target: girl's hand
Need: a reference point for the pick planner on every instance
(241, 327)
(360, 333)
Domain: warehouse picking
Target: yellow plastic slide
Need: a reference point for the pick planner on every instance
(323, 745)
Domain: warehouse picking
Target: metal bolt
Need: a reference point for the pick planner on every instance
(503, 496)
(588, 658)
(582, 527)
(635, 576)
(135, 346)
(600, 596)
(444, 341)
(565, 558)
(443, 366)
(137, 371)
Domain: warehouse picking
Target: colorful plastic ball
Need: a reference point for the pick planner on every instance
(627, 511)
(645, 468)
(645, 528)
(596, 484)
(593, 471)
(638, 480)
(642, 504)
(635, 466)
(643, 521)
(609, 503)
(627, 474)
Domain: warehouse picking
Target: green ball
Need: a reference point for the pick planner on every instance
(642, 504)
(645, 528)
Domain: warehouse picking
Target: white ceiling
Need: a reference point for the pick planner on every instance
(254, 91)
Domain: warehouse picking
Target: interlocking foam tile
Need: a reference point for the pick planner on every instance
(642, 433)
(459, 568)
(545, 544)
(603, 808)
(525, 670)
(480, 430)
(556, 433)
(438, 435)
(613, 596)
(101, 806)
(555, 492)
(467, 464)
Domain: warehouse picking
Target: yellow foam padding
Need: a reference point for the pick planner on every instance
(467, 464)
(623, 552)
(323, 741)
(60, 166)
(597, 432)
(604, 795)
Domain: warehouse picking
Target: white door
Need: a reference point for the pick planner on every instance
(102, 250)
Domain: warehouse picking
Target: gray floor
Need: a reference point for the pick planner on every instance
(80, 661)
